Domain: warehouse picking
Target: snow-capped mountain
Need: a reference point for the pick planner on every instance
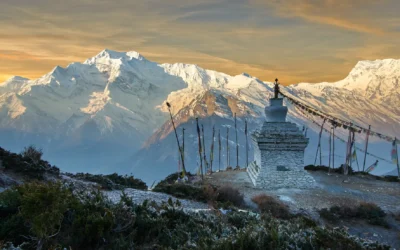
(369, 95)
(88, 116)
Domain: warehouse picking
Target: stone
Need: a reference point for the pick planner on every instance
(279, 152)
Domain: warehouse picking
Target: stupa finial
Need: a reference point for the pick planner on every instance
(276, 88)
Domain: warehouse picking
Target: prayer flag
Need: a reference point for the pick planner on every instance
(354, 156)
(394, 152)
(372, 167)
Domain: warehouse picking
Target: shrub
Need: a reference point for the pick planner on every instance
(33, 153)
(224, 196)
(181, 190)
(370, 212)
(91, 221)
(338, 170)
(43, 205)
(112, 181)
(271, 205)
(29, 163)
(230, 194)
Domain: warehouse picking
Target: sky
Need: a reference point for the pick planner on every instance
(294, 40)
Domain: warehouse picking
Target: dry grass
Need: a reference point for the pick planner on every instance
(229, 194)
(268, 204)
(369, 212)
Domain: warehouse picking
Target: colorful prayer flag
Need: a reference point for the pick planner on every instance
(372, 167)
(354, 156)
(394, 152)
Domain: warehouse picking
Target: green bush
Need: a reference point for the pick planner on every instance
(338, 170)
(28, 163)
(181, 190)
(112, 181)
(370, 212)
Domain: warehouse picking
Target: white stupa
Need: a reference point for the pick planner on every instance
(279, 151)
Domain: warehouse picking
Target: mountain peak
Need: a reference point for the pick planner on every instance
(381, 66)
(108, 54)
(16, 78)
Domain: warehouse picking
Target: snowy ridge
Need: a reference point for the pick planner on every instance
(118, 99)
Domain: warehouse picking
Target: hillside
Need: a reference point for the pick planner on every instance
(109, 112)
(80, 212)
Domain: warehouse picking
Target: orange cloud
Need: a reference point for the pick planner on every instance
(259, 38)
(352, 15)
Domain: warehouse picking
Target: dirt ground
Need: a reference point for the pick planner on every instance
(333, 189)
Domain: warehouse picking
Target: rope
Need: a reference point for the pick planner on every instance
(340, 139)
(334, 120)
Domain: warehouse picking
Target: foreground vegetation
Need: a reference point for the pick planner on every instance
(46, 211)
(49, 215)
(219, 197)
(339, 170)
(28, 163)
(369, 212)
(111, 181)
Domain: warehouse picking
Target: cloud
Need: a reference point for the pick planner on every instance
(356, 15)
(300, 40)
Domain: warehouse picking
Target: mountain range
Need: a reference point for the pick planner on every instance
(109, 113)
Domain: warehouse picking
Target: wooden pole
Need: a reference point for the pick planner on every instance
(319, 145)
(247, 143)
(397, 158)
(177, 140)
(227, 148)
(219, 150)
(366, 147)
(333, 147)
(351, 148)
(237, 145)
(330, 145)
(199, 140)
(348, 149)
(183, 144)
(212, 150)
(204, 150)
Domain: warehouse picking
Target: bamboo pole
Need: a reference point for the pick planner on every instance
(397, 158)
(219, 150)
(183, 144)
(333, 147)
(199, 140)
(330, 146)
(237, 145)
(348, 149)
(177, 140)
(227, 148)
(204, 150)
(319, 145)
(212, 150)
(366, 146)
(247, 143)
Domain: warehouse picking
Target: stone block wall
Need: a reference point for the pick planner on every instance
(279, 157)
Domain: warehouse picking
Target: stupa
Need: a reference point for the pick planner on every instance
(279, 151)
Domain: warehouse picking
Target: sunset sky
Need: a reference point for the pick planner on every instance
(294, 40)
